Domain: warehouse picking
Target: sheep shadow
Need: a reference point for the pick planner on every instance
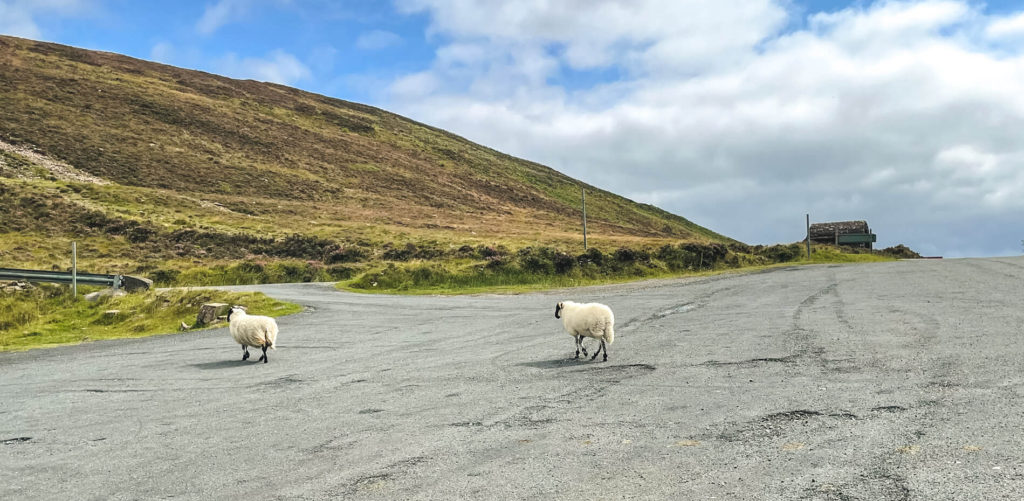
(558, 363)
(222, 364)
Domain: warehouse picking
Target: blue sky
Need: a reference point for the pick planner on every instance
(741, 115)
(347, 47)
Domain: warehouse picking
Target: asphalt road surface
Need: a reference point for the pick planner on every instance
(886, 381)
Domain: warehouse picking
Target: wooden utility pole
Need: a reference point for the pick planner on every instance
(74, 269)
(808, 236)
(583, 191)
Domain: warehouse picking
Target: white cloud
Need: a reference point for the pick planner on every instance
(162, 52)
(278, 67)
(1006, 27)
(219, 14)
(651, 35)
(18, 17)
(898, 112)
(378, 39)
(17, 21)
(416, 85)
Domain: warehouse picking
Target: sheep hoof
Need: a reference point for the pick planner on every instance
(245, 356)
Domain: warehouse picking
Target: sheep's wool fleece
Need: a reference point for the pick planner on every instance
(589, 319)
(253, 330)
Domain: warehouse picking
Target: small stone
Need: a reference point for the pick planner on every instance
(95, 296)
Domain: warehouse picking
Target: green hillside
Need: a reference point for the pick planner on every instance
(153, 166)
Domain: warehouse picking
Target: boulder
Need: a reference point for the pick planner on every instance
(209, 312)
(133, 284)
(16, 286)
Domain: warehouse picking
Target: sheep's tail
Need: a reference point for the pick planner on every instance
(609, 333)
(272, 336)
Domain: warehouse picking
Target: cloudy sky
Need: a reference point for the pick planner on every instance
(741, 115)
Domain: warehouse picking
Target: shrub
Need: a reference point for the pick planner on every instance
(249, 267)
(140, 234)
(340, 272)
(303, 247)
(625, 255)
(486, 251)
(347, 254)
(676, 258)
(401, 278)
(781, 253)
(429, 251)
(740, 248)
(405, 253)
(496, 262)
(563, 263)
(900, 251)
(287, 271)
(592, 256)
(164, 277)
(535, 263)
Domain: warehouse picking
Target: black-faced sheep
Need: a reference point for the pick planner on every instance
(588, 320)
(252, 330)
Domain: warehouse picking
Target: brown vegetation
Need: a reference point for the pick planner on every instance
(268, 151)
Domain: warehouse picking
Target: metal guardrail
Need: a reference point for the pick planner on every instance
(64, 277)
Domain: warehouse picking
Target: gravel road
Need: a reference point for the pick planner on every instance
(886, 381)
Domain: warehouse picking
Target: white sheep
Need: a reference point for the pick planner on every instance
(591, 320)
(257, 331)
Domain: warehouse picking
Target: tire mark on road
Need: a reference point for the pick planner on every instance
(379, 482)
(698, 302)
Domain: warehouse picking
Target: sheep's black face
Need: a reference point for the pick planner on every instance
(558, 308)
(232, 310)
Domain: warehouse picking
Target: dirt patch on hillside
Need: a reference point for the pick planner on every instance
(19, 161)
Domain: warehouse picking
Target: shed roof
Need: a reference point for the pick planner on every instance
(828, 230)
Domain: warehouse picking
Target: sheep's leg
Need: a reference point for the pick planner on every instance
(599, 348)
(245, 352)
(579, 346)
(263, 358)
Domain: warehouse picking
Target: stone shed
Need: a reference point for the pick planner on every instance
(848, 233)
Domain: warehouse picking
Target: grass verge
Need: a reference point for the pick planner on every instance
(536, 269)
(50, 316)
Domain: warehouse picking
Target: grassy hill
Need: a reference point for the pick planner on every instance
(148, 125)
(154, 168)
